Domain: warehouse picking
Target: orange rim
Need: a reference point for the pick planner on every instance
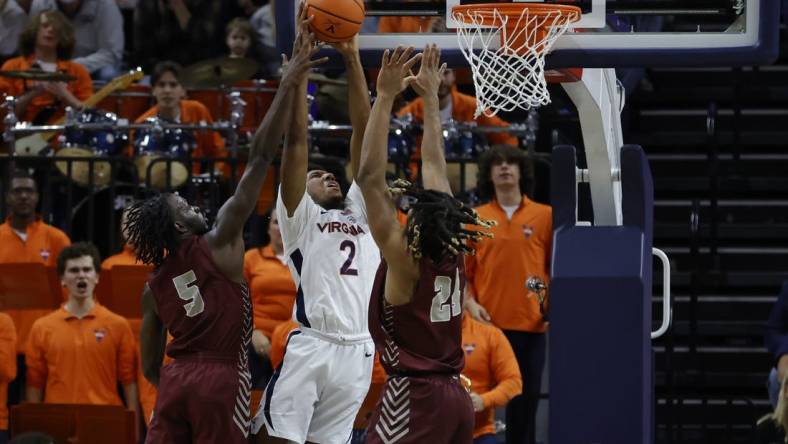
(513, 10)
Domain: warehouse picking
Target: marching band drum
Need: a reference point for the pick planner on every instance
(159, 147)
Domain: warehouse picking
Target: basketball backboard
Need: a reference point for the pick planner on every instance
(611, 33)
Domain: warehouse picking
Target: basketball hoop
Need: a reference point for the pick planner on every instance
(512, 40)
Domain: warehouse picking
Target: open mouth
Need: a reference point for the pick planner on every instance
(82, 286)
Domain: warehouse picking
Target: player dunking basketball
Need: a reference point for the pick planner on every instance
(415, 313)
(325, 374)
(199, 295)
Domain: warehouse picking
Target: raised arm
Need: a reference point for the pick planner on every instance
(265, 144)
(295, 156)
(386, 231)
(358, 98)
(426, 84)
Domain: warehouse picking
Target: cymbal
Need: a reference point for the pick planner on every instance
(37, 74)
(217, 72)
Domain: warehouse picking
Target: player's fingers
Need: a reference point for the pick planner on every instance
(316, 62)
(442, 69)
(405, 55)
(394, 59)
(409, 64)
(385, 59)
(436, 55)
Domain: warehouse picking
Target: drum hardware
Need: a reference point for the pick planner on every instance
(10, 120)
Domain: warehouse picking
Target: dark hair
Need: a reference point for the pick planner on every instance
(435, 223)
(19, 173)
(509, 154)
(76, 251)
(63, 29)
(161, 68)
(150, 225)
(240, 24)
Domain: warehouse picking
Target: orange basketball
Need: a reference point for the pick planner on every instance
(335, 20)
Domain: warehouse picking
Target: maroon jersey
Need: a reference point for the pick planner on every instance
(423, 336)
(203, 310)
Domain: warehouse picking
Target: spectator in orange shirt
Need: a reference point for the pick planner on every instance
(79, 353)
(521, 248)
(7, 369)
(47, 44)
(271, 285)
(492, 368)
(172, 107)
(459, 107)
(26, 238)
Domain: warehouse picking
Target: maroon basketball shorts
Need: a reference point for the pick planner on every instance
(201, 401)
(431, 409)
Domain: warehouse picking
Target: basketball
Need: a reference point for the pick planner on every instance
(335, 20)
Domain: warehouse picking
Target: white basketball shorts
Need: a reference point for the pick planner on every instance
(316, 392)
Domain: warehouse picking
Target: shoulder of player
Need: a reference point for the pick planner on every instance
(6, 321)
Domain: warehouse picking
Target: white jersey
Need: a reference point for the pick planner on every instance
(333, 260)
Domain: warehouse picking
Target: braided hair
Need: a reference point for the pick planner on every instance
(150, 226)
(436, 223)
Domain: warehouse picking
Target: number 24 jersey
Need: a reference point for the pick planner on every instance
(333, 259)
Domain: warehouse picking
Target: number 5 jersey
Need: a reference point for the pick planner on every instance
(333, 260)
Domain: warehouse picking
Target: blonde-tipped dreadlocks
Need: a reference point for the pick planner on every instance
(436, 223)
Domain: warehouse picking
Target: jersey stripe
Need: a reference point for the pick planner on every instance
(300, 307)
(269, 391)
(241, 413)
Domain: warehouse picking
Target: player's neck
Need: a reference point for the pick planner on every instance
(48, 55)
(79, 307)
(508, 196)
(170, 113)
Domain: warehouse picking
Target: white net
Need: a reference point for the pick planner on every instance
(506, 54)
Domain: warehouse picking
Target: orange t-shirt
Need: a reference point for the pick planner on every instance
(125, 257)
(44, 243)
(272, 287)
(492, 368)
(404, 24)
(521, 248)
(209, 143)
(81, 87)
(81, 361)
(463, 107)
(7, 364)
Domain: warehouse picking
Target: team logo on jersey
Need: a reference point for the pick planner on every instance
(469, 348)
(44, 254)
(340, 227)
(528, 231)
(100, 334)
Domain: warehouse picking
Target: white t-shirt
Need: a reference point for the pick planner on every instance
(333, 260)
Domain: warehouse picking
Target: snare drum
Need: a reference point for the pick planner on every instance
(162, 148)
(91, 143)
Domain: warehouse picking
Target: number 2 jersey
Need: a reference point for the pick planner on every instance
(205, 312)
(424, 336)
(333, 260)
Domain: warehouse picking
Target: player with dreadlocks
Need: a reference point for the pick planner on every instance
(415, 311)
(199, 294)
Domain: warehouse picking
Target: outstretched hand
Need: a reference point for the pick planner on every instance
(348, 49)
(394, 70)
(294, 71)
(430, 75)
